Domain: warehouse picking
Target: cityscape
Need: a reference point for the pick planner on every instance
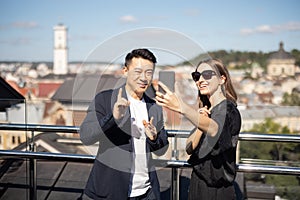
(55, 91)
(260, 89)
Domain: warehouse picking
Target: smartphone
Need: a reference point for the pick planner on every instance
(167, 78)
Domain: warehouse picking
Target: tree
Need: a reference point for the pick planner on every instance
(292, 99)
(277, 150)
(286, 186)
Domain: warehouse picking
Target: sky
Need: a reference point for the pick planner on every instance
(174, 29)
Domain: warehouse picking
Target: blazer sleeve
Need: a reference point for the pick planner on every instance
(98, 120)
(90, 128)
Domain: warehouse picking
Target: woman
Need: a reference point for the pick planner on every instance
(212, 144)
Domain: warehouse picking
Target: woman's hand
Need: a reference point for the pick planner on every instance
(169, 99)
(204, 111)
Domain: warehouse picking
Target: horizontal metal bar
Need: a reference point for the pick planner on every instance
(269, 162)
(248, 136)
(47, 156)
(39, 128)
(269, 169)
(264, 169)
(178, 133)
(243, 136)
(177, 163)
(66, 129)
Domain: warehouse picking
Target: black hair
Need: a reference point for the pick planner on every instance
(140, 53)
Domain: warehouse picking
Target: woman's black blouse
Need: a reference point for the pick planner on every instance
(214, 159)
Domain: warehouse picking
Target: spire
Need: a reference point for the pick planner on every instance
(281, 46)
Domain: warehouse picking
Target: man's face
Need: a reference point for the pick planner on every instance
(139, 76)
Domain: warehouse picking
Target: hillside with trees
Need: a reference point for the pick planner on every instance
(242, 59)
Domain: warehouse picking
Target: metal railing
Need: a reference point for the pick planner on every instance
(173, 164)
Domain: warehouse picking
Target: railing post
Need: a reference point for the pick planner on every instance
(32, 173)
(174, 184)
(174, 176)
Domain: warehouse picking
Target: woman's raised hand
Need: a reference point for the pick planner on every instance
(169, 99)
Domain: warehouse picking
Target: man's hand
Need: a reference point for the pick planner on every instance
(120, 106)
(150, 129)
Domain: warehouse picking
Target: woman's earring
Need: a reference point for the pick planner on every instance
(223, 89)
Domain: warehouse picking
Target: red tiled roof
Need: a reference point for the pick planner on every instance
(23, 91)
(46, 89)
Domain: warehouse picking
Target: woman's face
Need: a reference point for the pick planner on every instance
(209, 81)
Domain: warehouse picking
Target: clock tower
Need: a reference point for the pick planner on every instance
(60, 58)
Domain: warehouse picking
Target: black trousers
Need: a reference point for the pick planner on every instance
(149, 195)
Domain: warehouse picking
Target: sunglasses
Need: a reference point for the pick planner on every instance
(206, 74)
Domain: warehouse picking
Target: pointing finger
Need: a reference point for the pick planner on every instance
(120, 94)
(151, 121)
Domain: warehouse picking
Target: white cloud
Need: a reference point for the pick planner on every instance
(265, 29)
(19, 25)
(192, 12)
(128, 19)
(292, 26)
(82, 37)
(246, 31)
(24, 25)
(289, 26)
(16, 41)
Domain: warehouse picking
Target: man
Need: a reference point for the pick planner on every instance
(128, 126)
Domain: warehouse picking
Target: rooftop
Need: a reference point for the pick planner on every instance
(281, 54)
(8, 95)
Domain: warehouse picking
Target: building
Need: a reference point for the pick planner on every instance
(60, 58)
(9, 97)
(281, 63)
(288, 116)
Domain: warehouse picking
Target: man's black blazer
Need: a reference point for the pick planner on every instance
(110, 175)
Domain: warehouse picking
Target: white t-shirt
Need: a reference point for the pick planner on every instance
(139, 183)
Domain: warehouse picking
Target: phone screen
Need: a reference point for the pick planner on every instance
(167, 78)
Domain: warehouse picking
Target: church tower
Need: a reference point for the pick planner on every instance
(60, 57)
(281, 63)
